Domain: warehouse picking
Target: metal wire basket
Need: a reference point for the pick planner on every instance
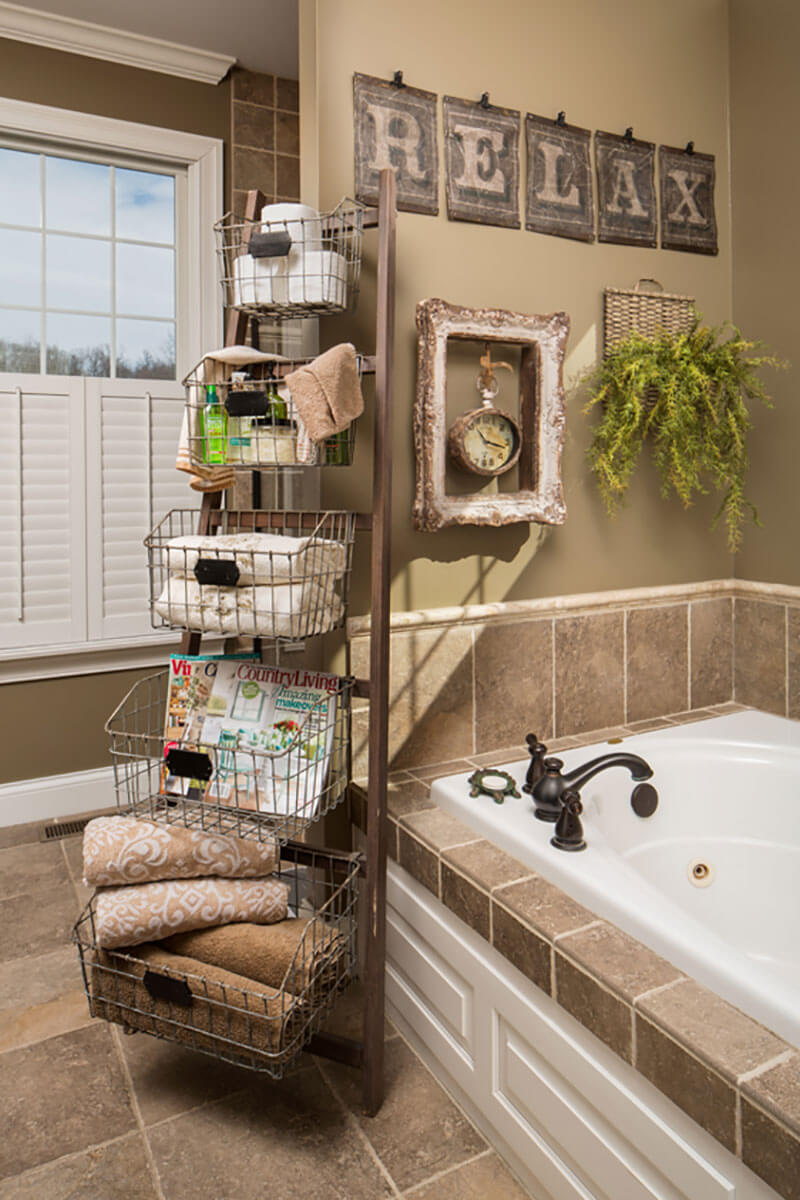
(252, 422)
(294, 262)
(259, 574)
(236, 783)
(254, 1024)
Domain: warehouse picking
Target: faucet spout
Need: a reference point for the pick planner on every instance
(639, 769)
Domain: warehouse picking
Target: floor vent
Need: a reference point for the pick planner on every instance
(51, 833)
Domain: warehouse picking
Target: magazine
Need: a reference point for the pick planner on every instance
(191, 679)
(274, 730)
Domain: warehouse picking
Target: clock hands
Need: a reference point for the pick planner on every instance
(497, 445)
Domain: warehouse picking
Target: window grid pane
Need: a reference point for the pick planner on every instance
(93, 218)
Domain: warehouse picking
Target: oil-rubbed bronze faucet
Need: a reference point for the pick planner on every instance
(548, 791)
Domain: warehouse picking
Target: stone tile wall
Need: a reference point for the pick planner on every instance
(473, 680)
(265, 137)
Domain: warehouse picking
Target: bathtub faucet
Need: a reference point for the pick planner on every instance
(549, 791)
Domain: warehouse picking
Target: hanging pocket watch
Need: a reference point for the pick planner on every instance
(485, 440)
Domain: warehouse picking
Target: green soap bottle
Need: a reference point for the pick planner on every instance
(215, 427)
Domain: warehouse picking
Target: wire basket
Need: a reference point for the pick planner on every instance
(253, 423)
(647, 312)
(294, 262)
(260, 574)
(236, 776)
(254, 1024)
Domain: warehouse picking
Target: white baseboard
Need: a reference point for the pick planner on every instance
(56, 796)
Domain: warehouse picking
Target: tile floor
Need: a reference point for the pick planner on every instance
(88, 1113)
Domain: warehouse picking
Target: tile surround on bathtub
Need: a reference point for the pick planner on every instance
(466, 681)
(735, 1078)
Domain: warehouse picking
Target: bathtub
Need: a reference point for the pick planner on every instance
(711, 881)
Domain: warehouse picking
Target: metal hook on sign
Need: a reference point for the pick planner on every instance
(629, 134)
(484, 100)
(561, 119)
(397, 79)
(690, 147)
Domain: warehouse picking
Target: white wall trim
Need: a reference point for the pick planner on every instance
(112, 45)
(53, 796)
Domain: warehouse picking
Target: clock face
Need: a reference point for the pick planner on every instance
(485, 441)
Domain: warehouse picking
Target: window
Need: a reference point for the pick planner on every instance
(108, 295)
(88, 254)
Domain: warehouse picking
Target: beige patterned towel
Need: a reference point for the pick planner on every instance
(289, 955)
(223, 1012)
(145, 912)
(119, 850)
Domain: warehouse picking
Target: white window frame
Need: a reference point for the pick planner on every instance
(197, 292)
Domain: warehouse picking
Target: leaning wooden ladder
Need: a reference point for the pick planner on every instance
(367, 1052)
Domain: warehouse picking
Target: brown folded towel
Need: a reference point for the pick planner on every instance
(226, 1014)
(327, 392)
(119, 850)
(288, 955)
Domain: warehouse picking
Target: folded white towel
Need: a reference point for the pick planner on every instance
(261, 557)
(285, 610)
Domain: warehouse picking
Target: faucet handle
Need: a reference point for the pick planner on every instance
(547, 792)
(569, 830)
(537, 751)
(553, 766)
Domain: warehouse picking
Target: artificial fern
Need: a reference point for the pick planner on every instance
(688, 394)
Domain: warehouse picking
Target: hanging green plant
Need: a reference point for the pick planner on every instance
(688, 394)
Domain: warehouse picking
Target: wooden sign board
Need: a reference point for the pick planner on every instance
(560, 199)
(481, 163)
(542, 416)
(396, 127)
(688, 216)
(626, 195)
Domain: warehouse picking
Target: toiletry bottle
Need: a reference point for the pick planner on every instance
(214, 423)
(277, 434)
(240, 428)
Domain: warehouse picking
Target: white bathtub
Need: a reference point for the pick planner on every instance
(729, 792)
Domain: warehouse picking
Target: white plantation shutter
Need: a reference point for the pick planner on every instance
(42, 511)
(132, 440)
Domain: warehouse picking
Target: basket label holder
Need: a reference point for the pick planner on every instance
(164, 987)
(220, 571)
(189, 764)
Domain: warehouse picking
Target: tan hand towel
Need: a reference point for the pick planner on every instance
(327, 392)
(227, 1014)
(145, 912)
(119, 850)
(289, 955)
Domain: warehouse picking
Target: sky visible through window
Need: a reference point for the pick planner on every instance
(87, 268)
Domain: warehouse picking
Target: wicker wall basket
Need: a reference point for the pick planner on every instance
(647, 312)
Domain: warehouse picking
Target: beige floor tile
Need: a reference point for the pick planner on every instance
(169, 1079)
(486, 1178)
(19, 835)
(60, 1097)
(37, 923)
(418, 1131)
(288, 1139)
(347, 1016)
(116, 1171)
(25, 869)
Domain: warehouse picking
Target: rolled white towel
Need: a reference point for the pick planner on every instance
(261, 557)
(283, 610)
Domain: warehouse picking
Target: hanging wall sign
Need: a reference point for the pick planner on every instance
(481, 163)
(559, 187)
(688, 218)
(626, 197)
(396, 127)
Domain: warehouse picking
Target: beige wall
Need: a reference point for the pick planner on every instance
(765, 103)
(662, 68)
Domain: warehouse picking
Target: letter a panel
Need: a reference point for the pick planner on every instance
(626, 194)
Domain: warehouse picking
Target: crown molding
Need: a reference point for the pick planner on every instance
(112, 45)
